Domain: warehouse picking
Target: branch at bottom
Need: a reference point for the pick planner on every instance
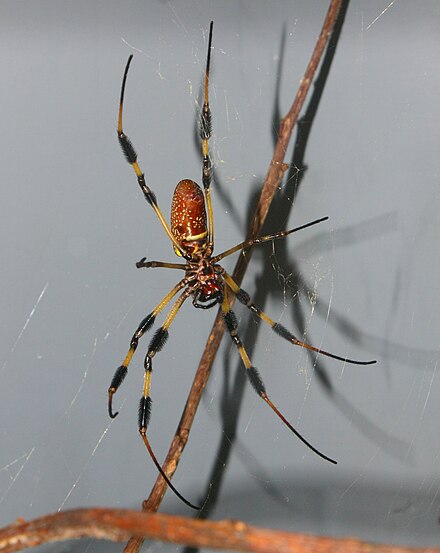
(119, 524)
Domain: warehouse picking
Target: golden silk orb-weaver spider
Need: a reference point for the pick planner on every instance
(208, 284)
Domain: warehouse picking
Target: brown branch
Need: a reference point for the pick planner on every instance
(119, 524)
(272, 181)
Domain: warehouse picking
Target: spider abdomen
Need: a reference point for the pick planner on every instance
(188, 216)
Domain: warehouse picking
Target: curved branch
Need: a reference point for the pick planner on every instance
(119, 524)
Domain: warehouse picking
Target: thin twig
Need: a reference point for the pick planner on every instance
(118, 524)
(271, 184)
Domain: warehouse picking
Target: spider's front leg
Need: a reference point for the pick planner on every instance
(255, 379)
(244, 298)
(156, 344)
(146, 324)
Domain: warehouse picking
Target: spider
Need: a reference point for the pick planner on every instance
(208, 284)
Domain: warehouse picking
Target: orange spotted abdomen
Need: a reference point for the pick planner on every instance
(188, 216)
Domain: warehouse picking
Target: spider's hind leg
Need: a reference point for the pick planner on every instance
(252, 373)
(205, 135)
(131, 157)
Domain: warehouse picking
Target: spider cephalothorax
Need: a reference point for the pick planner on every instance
(208, 284)
(192, 236)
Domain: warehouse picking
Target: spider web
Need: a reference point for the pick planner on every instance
(362, 284)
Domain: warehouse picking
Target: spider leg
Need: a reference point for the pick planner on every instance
(205, 135)
(156, 344)
(164, 476)
(244, 298)
(143, 263)
(147, 322)
(261, 239)
(131, 156)
(231, 324)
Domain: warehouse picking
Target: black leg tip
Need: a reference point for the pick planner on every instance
(110, 410)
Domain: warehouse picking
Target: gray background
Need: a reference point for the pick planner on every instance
(364, 284)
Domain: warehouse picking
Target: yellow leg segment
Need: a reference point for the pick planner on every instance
(121, 371)
(252, 373)
(131, 157)
(248, 243)
(244, 298)
(205, 135)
